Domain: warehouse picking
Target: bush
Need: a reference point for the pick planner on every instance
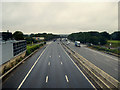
(32, 48)
(116, 51)
(5, 69)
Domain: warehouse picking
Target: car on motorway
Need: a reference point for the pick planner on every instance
(77, 43)
(68, 42)
(44, 42)
(54, 40)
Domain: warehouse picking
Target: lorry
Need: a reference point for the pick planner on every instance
(77, 43)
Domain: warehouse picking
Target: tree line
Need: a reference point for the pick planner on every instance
(18, 35)
(94, 37)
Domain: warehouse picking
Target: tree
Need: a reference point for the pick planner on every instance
(115, 35)
(18, 35)
(90, 37)
(105, 35)
(102, 40)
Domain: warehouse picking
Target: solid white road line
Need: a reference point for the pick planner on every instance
(31, 69)
(59, 55)
(61, 63)
(49, 63)
(46, 79)
(66, 78)
(78, 68)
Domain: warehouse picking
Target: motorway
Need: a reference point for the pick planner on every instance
(48, 68)
(107, 63)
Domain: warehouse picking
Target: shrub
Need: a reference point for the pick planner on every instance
(116, 51)
(32, 48)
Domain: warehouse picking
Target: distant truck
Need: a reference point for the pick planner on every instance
(77, 43)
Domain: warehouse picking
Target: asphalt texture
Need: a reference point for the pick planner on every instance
(53, 69)
(108, 63)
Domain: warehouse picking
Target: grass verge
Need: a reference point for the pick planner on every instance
(115, 51)
(114, 43)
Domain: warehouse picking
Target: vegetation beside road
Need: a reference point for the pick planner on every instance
(18, 35)
(116, 51)
(47, 37)
(94, 37)
(32, 48)
(114, 43)
(113, 48)
(100, 41)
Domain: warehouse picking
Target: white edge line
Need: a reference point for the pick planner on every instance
(79, 68)
(31, 69)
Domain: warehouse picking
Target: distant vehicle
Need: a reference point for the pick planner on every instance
(54, 40)
(66, 39)
(44, 42)
(60, 39)
(77, 43)
(68, 42)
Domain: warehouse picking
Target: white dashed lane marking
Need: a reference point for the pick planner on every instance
(66, 78)
(48, 63)
(46, 79)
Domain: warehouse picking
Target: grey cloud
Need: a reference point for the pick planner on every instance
(65, 17)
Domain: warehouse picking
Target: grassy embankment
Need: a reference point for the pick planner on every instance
(113, 49)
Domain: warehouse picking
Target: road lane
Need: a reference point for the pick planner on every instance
(14, 79)
(74, 69)
(57, 73)
(50, 73)
(106, 62)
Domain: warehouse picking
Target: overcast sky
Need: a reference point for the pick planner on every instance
(60, 17)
